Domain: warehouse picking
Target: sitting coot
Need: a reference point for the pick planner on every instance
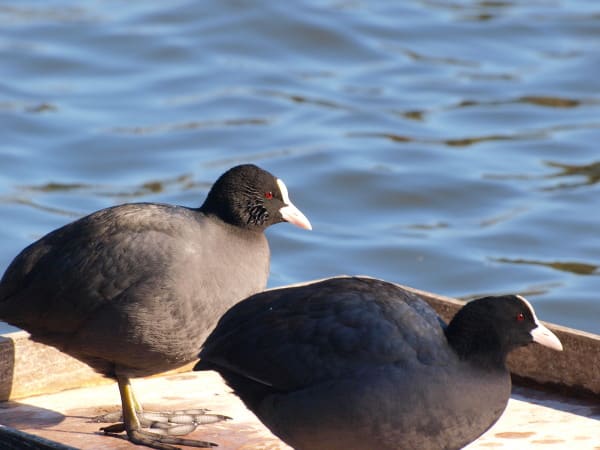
(356, 363)
(133, 290)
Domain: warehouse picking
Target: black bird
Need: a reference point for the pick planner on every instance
(134, 289)
(356, 363)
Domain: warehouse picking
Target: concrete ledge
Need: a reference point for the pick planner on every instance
(29, 368)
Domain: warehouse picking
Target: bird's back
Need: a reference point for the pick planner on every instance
(346, 322)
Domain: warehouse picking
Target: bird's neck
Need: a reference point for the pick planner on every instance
(479, 349)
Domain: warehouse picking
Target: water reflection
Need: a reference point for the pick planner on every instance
(391, 136)
(502, 217)
(552, 102)
(413, 115)
(18, 14)
(41, 108)
(533, 100)
(178, 184)
(429, 226)
(453, 142)
(542, 133)
(489, 76)
(38, 206)
(436, 59)
(189, 125)
(152, 187)
(56, 187)
(529, 291)
(297, 98)
(591, 173)
(28, 107)
(468, 141)
(564, 266)
(545, 101)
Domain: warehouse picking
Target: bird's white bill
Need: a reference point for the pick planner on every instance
(289, 212)
(545, 337)
(293, 215)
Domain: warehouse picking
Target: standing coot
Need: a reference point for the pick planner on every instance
(133, 290)
(357, 363)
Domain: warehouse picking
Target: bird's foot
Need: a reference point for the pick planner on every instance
(162, 427)
(178, 422)
(160, 440)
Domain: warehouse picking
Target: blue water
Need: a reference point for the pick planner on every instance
(448, 145)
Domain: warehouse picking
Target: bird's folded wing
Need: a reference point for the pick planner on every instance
(291, 337)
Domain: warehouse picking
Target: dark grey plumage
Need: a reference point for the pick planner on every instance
(134, 289)
(354, 363)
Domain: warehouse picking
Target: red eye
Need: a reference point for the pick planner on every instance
(520, 317)
(268, 195)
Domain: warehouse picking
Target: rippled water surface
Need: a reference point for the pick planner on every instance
(448, 145)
